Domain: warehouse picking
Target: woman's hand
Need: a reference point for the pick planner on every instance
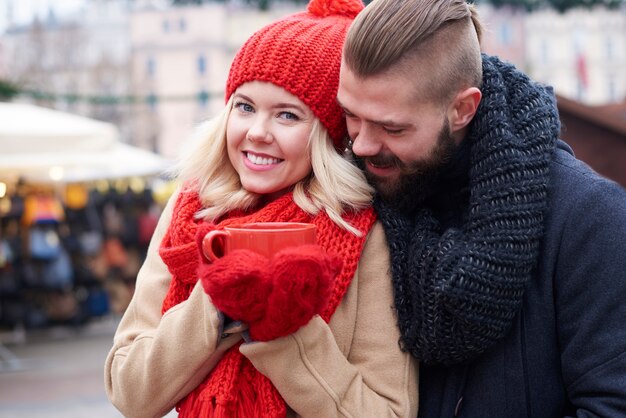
(276, 296)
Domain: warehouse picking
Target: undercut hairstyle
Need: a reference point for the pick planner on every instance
(435, 43)
(334, 185)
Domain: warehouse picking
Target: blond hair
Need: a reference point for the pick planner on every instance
(441, 38)
(335, 185)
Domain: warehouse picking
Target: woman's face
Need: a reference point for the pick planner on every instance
(267, 138)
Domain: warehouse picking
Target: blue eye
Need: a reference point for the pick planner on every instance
(288, 116)
(244, 107)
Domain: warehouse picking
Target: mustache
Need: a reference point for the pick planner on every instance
(388, 160)
(385, 160)
(381, 160)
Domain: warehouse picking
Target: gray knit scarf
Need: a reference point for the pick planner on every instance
(458, 288)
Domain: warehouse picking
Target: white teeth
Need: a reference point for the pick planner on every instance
(261, 160)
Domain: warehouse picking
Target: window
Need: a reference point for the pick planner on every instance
(505, 34)
(611, 88)
(203, 98)
(201, 65)
(150, 67)
(152, 100)
(544, 51)
(580, 90)
(609, 48)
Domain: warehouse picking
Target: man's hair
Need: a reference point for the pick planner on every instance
(434, 42)
(335, 185)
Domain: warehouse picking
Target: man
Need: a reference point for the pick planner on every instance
(508, 254)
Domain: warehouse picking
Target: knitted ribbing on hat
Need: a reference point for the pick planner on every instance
(302, 54)
(457, 290)
(234, 375)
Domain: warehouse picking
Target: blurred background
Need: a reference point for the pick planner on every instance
(97, 98)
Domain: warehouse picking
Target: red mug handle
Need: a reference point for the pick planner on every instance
(208, 243)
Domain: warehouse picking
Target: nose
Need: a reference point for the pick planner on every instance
(364, 142)
(260, 130)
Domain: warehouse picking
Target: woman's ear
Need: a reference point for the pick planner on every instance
(463, 108)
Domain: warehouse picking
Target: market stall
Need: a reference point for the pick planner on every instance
(44, 145)
(77, 208)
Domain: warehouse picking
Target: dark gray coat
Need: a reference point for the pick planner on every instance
(566, 352)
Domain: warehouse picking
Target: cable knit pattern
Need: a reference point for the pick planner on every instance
(179, 250)
(457, 290)
(234, 376)
(302, 54)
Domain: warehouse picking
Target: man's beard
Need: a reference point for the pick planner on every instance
(418, 179)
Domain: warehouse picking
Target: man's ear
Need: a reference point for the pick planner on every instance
(463, 108)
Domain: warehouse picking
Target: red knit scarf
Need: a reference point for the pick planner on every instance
(227, 390)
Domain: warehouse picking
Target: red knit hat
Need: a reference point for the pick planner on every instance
(302, 54)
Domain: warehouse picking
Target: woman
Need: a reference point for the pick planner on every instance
(270, 156)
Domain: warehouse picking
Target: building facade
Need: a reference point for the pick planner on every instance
(504, 33)
(581, 53)
(180, 62)
(78, 63)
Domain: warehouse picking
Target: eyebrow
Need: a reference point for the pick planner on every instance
(381, 122)
(276, 106)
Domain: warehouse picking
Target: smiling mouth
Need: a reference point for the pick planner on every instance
(379, 165)
(380, 170)
(259, 160)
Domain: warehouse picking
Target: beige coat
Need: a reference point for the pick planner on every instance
(351, 367)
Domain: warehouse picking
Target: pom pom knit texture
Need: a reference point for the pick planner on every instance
(302, 54)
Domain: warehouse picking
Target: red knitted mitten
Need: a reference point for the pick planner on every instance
(238, 284)
(302, 279)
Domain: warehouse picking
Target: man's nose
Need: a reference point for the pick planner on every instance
(364, 143)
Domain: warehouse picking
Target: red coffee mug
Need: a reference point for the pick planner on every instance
(265, 238)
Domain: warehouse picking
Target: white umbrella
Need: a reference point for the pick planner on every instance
(43, 145)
